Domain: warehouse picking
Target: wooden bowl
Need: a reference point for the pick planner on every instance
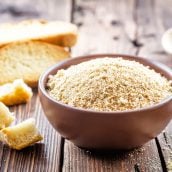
(106, 130)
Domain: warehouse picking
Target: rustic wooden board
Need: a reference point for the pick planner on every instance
(108, 26)
(105, 27)
(139, 160)
(165, 143)
(153, 18)
(44, 156)
(24, 9)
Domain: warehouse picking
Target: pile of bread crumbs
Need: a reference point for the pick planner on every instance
(109, 84)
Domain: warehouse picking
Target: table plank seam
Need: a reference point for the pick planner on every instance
(61, 158)
(136, 168)
(161, 156)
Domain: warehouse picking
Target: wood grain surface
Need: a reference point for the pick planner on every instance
(111, 26)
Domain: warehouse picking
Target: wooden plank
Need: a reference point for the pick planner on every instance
(143, 159)
(165, 142)
(108, 26)
(24, 9)
(44, 156)
(150, 31)
(104, 26)
(152, 23)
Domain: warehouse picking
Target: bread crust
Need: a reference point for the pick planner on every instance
(67, 38)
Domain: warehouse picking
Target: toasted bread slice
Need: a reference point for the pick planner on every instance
(55, 32)
(21, 135)
(6, 117)
(15, 93)
(27, 60)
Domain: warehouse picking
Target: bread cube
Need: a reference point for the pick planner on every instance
(6, 117)
(21, 135)
(15, 93)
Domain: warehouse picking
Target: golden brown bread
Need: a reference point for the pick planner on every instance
(21, 135)
(27, 60)
(6, 117)
(55, 32)
(15, 93)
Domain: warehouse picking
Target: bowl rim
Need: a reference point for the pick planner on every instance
(45, 74)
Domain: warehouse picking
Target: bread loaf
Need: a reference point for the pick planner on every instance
(55, 32)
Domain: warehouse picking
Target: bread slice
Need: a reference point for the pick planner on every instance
(21, 135)
(28, 60)
(15, 93)
(6, 117)
(55, 32)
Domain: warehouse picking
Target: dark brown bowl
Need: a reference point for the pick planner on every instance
(106, 130)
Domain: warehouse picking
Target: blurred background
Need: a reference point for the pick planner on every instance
(27, 9)
(105, 26)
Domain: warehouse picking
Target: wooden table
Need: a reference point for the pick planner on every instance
(111, 26)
